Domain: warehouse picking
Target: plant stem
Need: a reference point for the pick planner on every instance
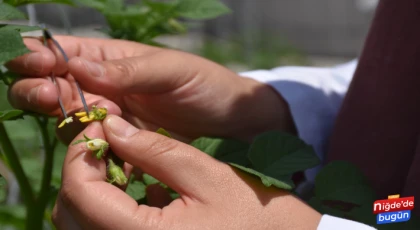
(48, 162)
(36, 214)
(15, 165)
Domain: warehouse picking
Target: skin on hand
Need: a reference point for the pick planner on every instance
(150, 87)
(212, 194)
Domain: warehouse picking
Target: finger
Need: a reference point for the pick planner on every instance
(44, 60)
(94, 203)
(62, 218)
(67, 133)
(39, 95)
(150, 73)
(182, 167)
(38, 63)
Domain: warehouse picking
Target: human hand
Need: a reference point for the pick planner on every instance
(150, 87)
(212, 194)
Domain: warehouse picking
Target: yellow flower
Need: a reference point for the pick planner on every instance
(65, 121)
(96, 114)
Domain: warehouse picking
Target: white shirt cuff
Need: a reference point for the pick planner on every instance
(314, 96)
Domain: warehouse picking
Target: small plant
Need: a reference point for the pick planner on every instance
(141, 22)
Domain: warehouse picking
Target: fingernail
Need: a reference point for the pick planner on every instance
(33, 94)
(119, 127)
(94, 69)
(35, 62)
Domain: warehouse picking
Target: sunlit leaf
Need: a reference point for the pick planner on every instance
(136, 189)
(149, 180)
(276, 154)
(226, 150)
(284, 183)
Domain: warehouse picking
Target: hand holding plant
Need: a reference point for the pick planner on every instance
(217, 196)
(152, 87)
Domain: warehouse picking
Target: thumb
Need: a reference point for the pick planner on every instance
(180, 166)
(143, 74)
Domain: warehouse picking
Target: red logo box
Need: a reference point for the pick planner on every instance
(393, 205)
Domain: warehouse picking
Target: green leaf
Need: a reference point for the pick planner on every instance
(99, 153)
(8, 12)
(285, 183)
(276, 154)
(8, 77)
(164, 132)
(202, 9)
(13, 216)
(141, 23)
(149, 180)
(174, 195)
(23, 2)
(11, 46)
(10, 115)
(86, 138)
(136, 189)
(342, 181)
(226, 150)
(18, 28)
(287, 154)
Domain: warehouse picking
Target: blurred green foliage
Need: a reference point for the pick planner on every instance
(265, 53)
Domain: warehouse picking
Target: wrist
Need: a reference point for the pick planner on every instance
(261, 108)
(293, 213)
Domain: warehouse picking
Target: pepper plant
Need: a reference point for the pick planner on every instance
(340, 188)
(142, 22)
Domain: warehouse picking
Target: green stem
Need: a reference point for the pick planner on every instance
(36, 215)
(48, 163)
(13, 160)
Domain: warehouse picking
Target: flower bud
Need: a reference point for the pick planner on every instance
(116, 174)
(97, 144)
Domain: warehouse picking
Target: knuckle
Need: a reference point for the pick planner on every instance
(161, 145)
(126, 70)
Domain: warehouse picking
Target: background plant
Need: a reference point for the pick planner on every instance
(20, 155)
(274, 157)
